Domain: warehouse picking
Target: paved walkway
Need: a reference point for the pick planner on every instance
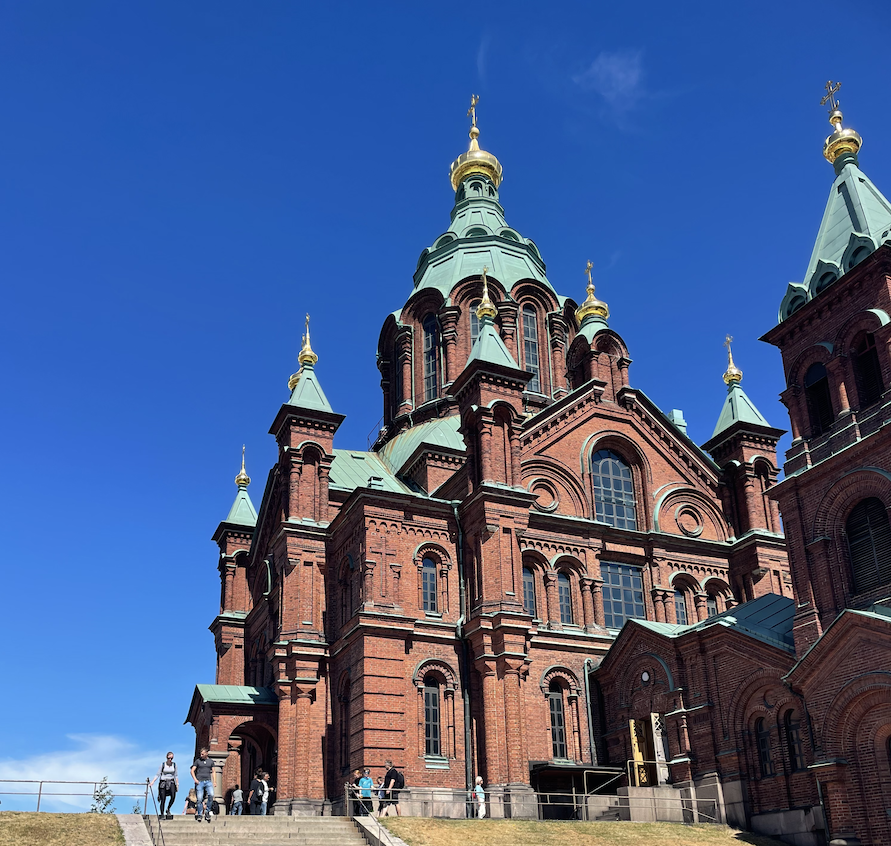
(135, 833)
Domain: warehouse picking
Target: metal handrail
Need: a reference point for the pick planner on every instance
(40, 793)
(148, 786)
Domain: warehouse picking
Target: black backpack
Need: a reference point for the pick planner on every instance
(399, 781)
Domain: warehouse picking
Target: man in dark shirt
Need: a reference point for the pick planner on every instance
(202, 775)
(391, 783)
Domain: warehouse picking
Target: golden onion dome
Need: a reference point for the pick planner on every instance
(486, 308)
(733, 374)
(474, 160)
(591, 305)
(242, 479)
(307, 356)
(842, 140)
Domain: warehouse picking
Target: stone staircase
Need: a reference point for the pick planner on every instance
(255, 831)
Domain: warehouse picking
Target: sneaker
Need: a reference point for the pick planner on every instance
(197, 817)
(208, 817)
(169, 817)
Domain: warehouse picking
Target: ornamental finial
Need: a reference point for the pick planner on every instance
(733, 374)
(474, 160)
(591, 305)
(307, 356)
(841, 140)
(242, 479)
(486, 308)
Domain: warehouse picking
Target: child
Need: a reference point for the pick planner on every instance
(237, 801)
(191, 802)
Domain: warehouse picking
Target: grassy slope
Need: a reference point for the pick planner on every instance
(418, 831)
(33, 829)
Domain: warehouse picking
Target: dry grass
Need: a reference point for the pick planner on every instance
(417, 831)
(33, 829)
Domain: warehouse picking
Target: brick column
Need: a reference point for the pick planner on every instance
(659, 604)
(448, 319)
(597, 597)
(699, 600)
(550, 580)
(517, 761)
(405, 363)
(587, 583)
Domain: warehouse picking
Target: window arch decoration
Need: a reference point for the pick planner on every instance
(569, 488)
(436, 682)
(560, 688)
(632, 454)
(615, 501)
(693, 515)
(795, 297)
(439, 572)
(685, 588)
(825, 273)
(859, 247)
(566, 677)
(630, 680)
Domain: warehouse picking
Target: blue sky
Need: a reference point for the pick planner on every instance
(181, 182)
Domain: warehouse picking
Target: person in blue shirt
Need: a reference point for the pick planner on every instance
(366, 783)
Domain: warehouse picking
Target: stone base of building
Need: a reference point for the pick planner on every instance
(511, 802)
(799, 826)
(302, 808)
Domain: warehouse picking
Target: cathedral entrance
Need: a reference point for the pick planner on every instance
(649, 751)
(256, 747)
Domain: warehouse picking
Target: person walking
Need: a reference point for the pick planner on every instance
(237, 801)
(480, 796)
(381, 795)
(202, 774)
(394, 781)
(167, 786)
(366, 783)
(264, 780)
(255, 795)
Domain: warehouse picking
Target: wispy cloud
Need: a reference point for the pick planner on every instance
(618, 77)
(481, 56)
(92, 758)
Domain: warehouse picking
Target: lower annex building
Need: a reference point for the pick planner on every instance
(535, 576)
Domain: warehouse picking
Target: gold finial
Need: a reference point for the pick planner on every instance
(733, 374)
(474, 160)
(842, 140)
(242, 479)
(591, 305)
(307, 356)
(486, 308)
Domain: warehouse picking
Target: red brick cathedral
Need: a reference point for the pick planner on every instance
(535, 576)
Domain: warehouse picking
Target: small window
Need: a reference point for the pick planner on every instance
(476, 232)
(529, 591)
(530, 348)
(792, 725)
(613, 490)
(558, 721)
(762, 737)
(795, 304)
(432, 733)
(428, 585)
(623, 597)
(474, 322)
(867, 371)
(711, 605)
(680, 607)
(431, 357)
(869, 543)
(819, 403)
(564, 597)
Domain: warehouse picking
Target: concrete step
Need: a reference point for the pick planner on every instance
(257, 831)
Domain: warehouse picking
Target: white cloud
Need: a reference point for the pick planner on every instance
(94, 757)
(617, 77)
(481, 55)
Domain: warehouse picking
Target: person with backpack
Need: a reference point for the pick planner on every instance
(167, 786)
(394, 781)
(257, 795)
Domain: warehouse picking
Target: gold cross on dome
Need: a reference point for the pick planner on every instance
(728, 341)
(588, 269)
(831, 90)
(471, 112)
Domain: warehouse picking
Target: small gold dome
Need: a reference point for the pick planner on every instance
(474, 160)
(733, 374)
(486, 308)
(842, 140)
(591, 305)
(295, 378)
(242, 479)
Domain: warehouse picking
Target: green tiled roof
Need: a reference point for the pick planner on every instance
(442, 432)
(232, 694)
(738, 408)
(308, 392)
(489, 347)
(352, 469)
(242, 512)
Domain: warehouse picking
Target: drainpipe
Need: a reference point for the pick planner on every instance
(465, 653)
(588, 711)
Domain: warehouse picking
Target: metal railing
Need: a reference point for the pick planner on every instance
(41, 793)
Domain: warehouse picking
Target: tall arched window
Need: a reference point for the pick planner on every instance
(345, 726)
(558, 720)
(530, 347)
(529, 591)
(680, 607)
(431, 357)
(474, 322)
(869, 542)
(428, 585)
(762, 737)
(867, 371)
(792, 726)
(613, 490)
(711, 605)
(432, 732)
(819, 403)
(564, 597)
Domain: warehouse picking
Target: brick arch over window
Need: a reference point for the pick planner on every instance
(616, 499)
(870, 320)
(840, 499)
(429, 601)
(436, 682)
(849, 707)
(567, 679)
(751, 693)
(629, 681)
(686, 511)
(566, 491)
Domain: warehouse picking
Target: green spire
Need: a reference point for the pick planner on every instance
(306, 392)
(488, 346)
(738, 408)
(242, 512)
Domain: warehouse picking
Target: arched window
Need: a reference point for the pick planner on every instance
(869, 542)
(529, 591)
(431, 357)
(613, 490)
(432, 733)
(867, 371)
(564, 597)
(819, 403)
(530, 347)
(792, 726)
(680, 607)
(558, 720)
(345, 726)
(762, 737)
(428, 585)
(474, 322)
(711, 605)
